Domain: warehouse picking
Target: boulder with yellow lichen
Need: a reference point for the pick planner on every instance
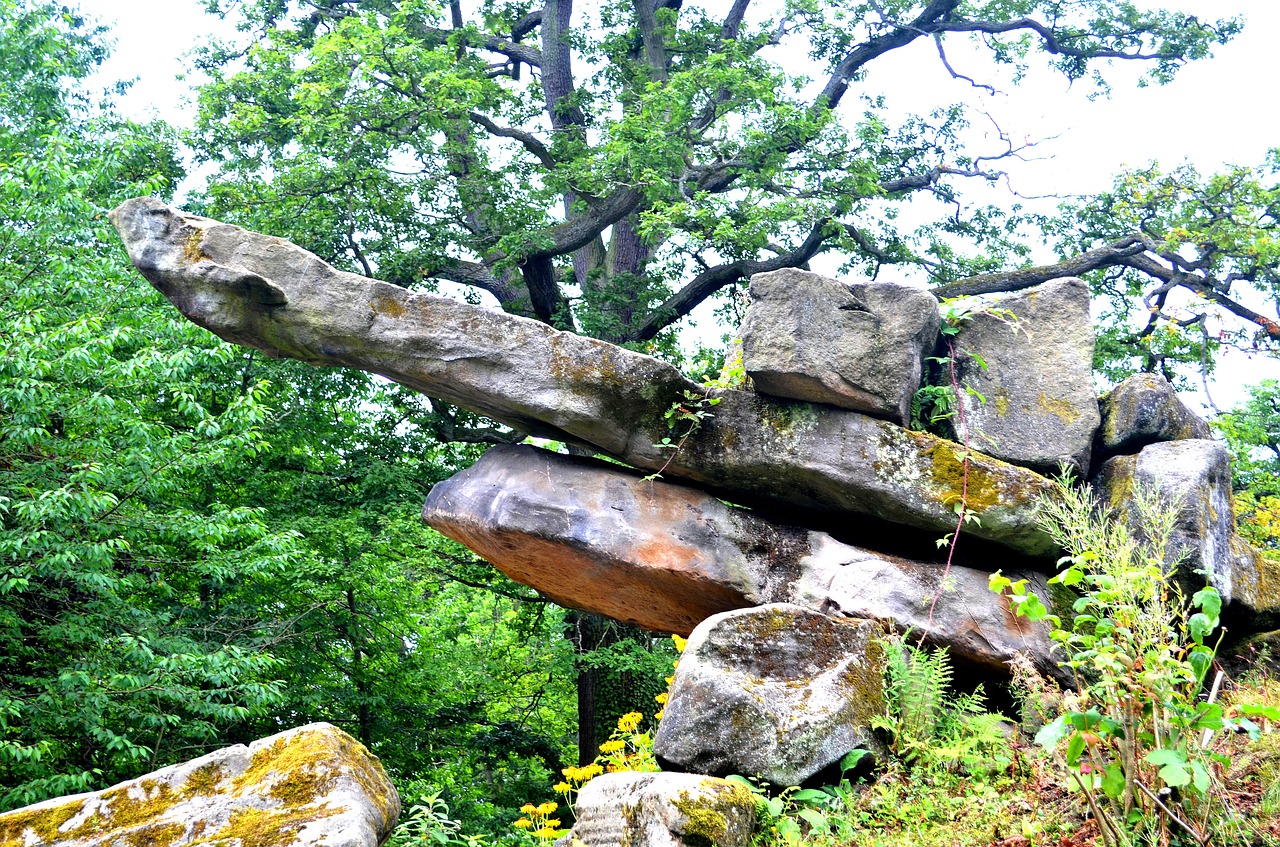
(629, 809)
(314, 785)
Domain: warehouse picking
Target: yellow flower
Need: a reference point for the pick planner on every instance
(661, 698)
(554, 823)
(547, 832)
(670, 680)
(547, 808)
(679, 642)
(629, 721)
(593, 769)
(523, 823)
(562, 788)
(528, 809)
(613, 746)
(658, 714)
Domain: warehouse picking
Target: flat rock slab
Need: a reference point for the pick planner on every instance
(629, 809)
(778, 692)
(597, 537)
(858, 346)
(1038, 406)
(266, 293)
(314, 785)
(1142, 410)
(1196, 475)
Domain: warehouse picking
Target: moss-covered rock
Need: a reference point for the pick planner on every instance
(1195, 474)
(777, 691)
(629, 809)
(308, 786)
(1142, 410)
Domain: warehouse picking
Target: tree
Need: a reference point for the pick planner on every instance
(608, 168)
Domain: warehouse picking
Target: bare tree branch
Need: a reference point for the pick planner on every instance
(713, 279)
(528, 139)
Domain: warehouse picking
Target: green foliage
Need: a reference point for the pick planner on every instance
(427, 823)
(1140, 654)
(932, 726)
(118, 655)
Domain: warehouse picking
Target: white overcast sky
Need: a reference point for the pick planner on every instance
(1216, 111)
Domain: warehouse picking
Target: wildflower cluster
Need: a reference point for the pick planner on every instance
(628, 749)
(538, 822)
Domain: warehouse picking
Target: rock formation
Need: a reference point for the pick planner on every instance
(314, 785)
(776, 691)
(665, 557)
(1142, 410)
(783, 585)
(268, 294)
(1195, 476)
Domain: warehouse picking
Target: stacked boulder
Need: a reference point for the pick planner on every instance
(791, 524)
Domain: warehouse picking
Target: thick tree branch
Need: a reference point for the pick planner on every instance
(528, 139)
(1105, 256)
(713, 279)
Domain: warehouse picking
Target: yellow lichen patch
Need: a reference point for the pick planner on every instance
(193, 248)
(265, 827)
(44, 823)
(1002, 403)
(952, 480)
(387, 307)
(707, 813)
(1065, 411)
(157, 835)
(291, 768)
(203, 781)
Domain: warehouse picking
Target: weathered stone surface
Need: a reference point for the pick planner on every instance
(1038, 407)
(1197, 475)
(269, 294)
(776, 691)
(629, 809)
(1142, 410)
(314, 785)
(595, 536)
(860, 346)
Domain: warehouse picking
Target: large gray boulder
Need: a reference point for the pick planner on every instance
(1195, 474)
(630, 809)
(1037, 405)
(857, 346)
(597, 537)
(778, 692)
(1142, 410)
(314, 785)
(266, 293)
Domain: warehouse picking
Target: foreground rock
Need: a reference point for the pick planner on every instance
(314, 785)
(777, 692)
(1142, 410)
(860, 347)
(1196, 474)
(595, 536)
(629, 809)
(1038, 406)
(268, 294)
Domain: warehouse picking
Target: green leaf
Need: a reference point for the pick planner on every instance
(1053, 732)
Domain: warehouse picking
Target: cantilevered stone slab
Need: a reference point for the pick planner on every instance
(314, 786)
(595, 536)
(266, 293)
